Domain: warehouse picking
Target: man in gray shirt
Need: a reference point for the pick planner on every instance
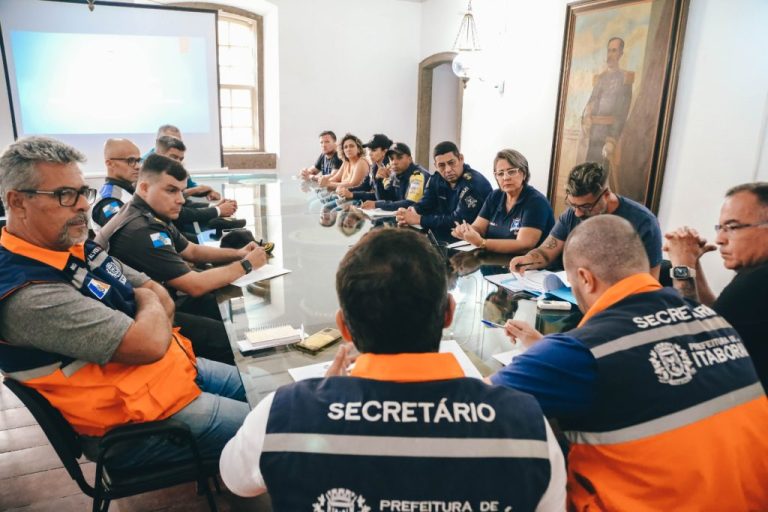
(93, 336)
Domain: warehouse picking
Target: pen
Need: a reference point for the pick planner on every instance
(488, 323)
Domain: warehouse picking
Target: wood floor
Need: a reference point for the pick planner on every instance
(32, 477)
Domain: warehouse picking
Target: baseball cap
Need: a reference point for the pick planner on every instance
(399, 148)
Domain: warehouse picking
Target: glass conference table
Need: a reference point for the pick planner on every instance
(287, 211)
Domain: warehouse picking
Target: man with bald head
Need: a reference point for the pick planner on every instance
(122, 159)
(656, 393)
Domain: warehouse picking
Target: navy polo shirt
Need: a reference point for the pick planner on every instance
(531, 210)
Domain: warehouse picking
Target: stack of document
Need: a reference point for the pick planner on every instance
(272, 337)
(538, 282)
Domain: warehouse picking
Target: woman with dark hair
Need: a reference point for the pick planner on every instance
(516, 217)
(353, 168)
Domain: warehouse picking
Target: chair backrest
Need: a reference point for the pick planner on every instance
(60, 433)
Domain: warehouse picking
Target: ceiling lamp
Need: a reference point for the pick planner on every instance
(467, 47)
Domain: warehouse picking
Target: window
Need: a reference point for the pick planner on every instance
(239, 65)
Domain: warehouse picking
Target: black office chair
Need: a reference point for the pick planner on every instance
(109, 483)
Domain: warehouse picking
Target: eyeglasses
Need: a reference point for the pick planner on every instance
(729, 228)
(67, 196)
(587, 207)
(509, 173)
(131, 160)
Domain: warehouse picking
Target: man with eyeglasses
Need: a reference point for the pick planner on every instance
(122, 159)
(588, 195)
(742, 237)
(89, 333)
(656, 394)
(455, 194)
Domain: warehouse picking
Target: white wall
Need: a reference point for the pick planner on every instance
(345, 65)
(718, 137)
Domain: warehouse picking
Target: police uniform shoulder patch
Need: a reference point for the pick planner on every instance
(467, 176)
(110, 208)
(98, 288)
(160, 239)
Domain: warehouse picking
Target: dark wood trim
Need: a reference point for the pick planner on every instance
(424, 105)
(250, 160)
(259, 21)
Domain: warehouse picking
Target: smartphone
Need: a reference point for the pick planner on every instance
(319, 340)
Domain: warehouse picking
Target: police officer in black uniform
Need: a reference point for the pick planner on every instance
(122, 159)
(454, 194)
(144, 237)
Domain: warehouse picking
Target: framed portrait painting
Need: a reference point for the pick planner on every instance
(617, 88)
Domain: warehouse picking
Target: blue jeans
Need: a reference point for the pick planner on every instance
(213, 417)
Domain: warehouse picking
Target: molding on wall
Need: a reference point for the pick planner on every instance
(424, 105)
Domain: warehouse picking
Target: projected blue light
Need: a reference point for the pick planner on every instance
(108, 83)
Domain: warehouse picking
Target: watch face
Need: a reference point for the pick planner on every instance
(680, 273)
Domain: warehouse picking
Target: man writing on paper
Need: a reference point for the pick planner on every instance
(656, 393)
(588, 195)
(143, 236)
(405, 405)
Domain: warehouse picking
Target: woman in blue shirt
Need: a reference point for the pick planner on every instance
(516, 217)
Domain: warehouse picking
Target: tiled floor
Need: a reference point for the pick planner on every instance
(32, 477)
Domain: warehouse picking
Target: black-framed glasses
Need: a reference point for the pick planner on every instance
(587, 207)
(67, 196)
(731, 227)
(509, 173)
(131, 160)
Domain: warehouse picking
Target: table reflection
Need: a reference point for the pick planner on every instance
(290, 213)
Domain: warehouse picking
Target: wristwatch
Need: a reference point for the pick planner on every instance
(682, 272)
(246, 265)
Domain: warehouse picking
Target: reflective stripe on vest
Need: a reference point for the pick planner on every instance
(426, 441)
(94, 398)
(387, 446)
(670, 421)
(678, 417)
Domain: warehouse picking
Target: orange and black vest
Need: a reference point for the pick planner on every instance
(93, 398)
(679, 416)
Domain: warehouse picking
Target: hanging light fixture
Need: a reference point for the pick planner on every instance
(467, 47)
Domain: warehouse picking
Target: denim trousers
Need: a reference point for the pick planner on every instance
(213, 417)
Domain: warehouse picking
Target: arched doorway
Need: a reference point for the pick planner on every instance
(440, 100)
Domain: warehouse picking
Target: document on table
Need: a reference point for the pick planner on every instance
(260, 274)
(378, 213)
(462, 246)
(271, 337)
(537, 282)
(526, 311)
(318, 370)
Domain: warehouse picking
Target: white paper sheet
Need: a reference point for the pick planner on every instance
(260, 274)
(318, 370)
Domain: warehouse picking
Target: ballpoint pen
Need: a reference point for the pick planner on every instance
(488, 323)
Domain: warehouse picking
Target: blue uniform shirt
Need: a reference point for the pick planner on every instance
(442, 205)
(531, 210)
(644, 221)
(404, 189)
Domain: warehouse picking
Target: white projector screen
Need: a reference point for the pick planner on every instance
(119, 71)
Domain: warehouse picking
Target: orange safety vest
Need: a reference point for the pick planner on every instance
(679, 416)
(92, 398)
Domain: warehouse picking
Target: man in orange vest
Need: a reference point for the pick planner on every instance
(92, 335)
(657, 394)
